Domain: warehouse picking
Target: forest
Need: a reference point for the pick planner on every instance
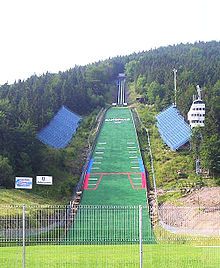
(27, 106)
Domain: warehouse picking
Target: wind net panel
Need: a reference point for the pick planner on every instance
(174, 131)
(60, 130)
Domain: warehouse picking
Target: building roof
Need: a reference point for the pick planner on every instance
(60, 130)
(174, 131)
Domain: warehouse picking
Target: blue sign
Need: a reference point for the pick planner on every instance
(23, 183)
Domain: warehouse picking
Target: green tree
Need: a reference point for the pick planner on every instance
(6, 173)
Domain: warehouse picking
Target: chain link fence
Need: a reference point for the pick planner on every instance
(108, 236)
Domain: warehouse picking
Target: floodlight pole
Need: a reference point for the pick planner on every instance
(174, 72)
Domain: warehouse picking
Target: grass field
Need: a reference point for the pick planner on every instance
(156, 256)
(19, 197)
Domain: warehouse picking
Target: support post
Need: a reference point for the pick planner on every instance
(23, 237)
(140, 237)
(152, 167)
(174, 72)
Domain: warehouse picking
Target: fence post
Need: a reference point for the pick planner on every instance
(140, 237)
(23, 236)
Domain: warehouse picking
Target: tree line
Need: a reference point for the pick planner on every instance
(151, 74)
(27, 106)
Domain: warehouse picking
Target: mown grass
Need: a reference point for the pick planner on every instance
(156, 256)
(12, 200)
(162, 236)
(19, 197)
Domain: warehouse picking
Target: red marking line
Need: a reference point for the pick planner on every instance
(142, 186)
(115, 173)
(144, 182)
(131, 182)
(86, 182)
(97, 184)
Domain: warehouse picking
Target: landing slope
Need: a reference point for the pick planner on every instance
(115, 183)
(116, 175)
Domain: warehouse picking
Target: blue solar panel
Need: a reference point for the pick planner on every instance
(60, 130)
(174, 131)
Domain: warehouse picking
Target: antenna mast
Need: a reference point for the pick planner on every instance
(199, 92)
(174, 72)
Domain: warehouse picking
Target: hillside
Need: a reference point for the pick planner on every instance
(19, 197)
(27, 106)
(150, 78)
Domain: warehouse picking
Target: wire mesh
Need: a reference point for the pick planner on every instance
(185, 237)
(108, 236)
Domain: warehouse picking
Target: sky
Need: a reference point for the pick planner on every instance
(54, 35)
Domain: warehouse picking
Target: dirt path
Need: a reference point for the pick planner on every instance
(199, 213)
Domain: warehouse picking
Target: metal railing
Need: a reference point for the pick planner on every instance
(108, 236)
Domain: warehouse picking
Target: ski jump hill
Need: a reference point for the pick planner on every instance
(115, 177)
(115, 174)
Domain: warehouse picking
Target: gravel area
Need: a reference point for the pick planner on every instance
(199, 213)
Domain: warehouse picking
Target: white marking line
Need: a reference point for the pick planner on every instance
(134, 162)
(102, 143)
(98, 157)
(135, 167)
(99, 152)
(207, 246)
(136, 183)
(91, 184)
(136, 178)
(101, 148)
(95, 167)
(96, 162)
(132, 152)
(130, 142)
(133, 157)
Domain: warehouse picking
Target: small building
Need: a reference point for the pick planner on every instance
(196, 114)
(121, 76)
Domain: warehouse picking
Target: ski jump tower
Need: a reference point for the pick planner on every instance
(196, 114)
(121, 90)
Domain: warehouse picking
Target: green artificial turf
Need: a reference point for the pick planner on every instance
(115, 180)
(116, 151)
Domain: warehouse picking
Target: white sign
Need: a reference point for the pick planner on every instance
(23, 183)
(45, 180)
(116, 119)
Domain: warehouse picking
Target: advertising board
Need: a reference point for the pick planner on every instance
(23, 182)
